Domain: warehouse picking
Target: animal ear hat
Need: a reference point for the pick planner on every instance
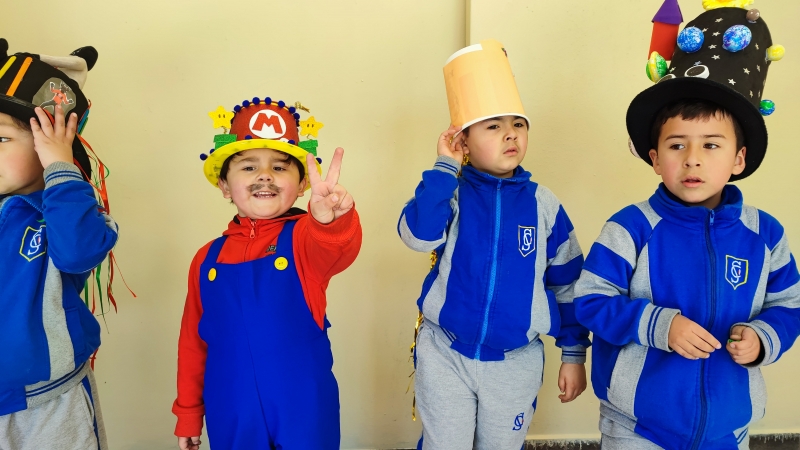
(29, 80)
(480, 84)
(723, 57)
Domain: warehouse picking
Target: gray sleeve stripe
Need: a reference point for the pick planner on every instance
(788, 298)
(548, 205)
(564, 294)
(781, 254)
(567, 251)
(589, 284)
(418, 244)
(649, 213)
(617, 239)
(749, 218)
(111, 223)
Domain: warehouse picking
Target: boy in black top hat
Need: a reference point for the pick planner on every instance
(672, 280)
(53, 232)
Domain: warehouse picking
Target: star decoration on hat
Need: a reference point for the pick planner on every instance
(751, 94)
(759, 68)
(715, 56)
(716, 33)
(310, 127)
(705, 29)
(712, 47)
(719, 20)
(757, 47)
(731, 81)
(747, 71)
(221, 117)
(672, 69)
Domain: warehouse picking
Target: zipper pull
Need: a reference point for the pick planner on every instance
(252, 229)
(711, 218)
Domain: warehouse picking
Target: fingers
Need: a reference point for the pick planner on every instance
(707, 337)
(336, 166)
(44, 124)
(58, 123)
(72, 128)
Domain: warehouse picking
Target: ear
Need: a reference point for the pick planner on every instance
(739, 163)
(654, 158)
(89, 54)
(302, 189)
(223, 186)
(3, 48)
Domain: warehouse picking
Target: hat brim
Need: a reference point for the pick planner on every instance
(646, 106)
(24, 111)
(213, 163)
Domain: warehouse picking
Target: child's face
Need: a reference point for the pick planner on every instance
(20, 170)
(497, 146)
(262, 183)
(695, 158)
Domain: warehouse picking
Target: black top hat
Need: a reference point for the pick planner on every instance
(27, 82)
(723, 57)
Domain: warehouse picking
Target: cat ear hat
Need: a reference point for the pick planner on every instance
(29, 80)
(722, 56)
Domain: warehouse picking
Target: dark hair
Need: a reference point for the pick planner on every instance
(223, 172)
(21, 124)
(691, 110)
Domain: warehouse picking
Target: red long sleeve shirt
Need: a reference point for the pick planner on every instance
(320, 251)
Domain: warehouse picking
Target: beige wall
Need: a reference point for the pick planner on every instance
(371, 71)
(578, 65)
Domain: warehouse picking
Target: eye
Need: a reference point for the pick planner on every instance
(519, 124)
(699, 71)
(711, 146)
(279, 168)
(4, 139)
(248, 168)
(677, 147)
(493, 127)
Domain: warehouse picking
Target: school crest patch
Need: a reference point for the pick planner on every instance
(527, 240)
(736, 271)
(33, 245)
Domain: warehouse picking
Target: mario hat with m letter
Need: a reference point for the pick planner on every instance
(28, 80)
(480, 85)
(722, 56)
(261, 123)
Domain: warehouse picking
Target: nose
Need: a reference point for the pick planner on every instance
(693, 157)
(512, 134)
(265, 175)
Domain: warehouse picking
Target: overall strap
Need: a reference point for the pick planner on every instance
(213, 251)
(285, 237)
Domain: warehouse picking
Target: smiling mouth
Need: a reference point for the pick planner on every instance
(264, 194)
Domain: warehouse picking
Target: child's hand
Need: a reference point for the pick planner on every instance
(448, 146)
(747, 345)
(53, 142)
(192, 443)
(571, 381)
(329, 200)
(690, 340)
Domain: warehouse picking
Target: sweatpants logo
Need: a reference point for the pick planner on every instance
(527, 240)
(519, 421)
(736, 270)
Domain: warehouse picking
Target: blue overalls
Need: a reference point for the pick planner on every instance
(269, 382)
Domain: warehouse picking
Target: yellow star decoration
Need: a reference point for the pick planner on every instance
(714, 4)
(310, 126)
(221, 117)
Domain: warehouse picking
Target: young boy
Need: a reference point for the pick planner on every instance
(690, 292)
(506, 261)
(254, 354)
(52, 234)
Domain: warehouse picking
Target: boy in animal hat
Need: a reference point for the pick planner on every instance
(506, 259)
(53, 232)
(689, 293)
(254, 355)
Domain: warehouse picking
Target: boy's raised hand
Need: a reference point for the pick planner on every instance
(746, 346)
(189, 443)
(690, 340)
(571, 381)
(53, 141)
(329, 199)
(448, 146)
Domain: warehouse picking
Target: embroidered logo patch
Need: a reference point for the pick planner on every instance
(267, 124)
(736, 270)
(527, 240)
(519, 421)
(32, 243)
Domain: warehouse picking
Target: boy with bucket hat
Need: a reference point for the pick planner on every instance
(674, 279)
(254, 356)
(53, 233)
(506, 259)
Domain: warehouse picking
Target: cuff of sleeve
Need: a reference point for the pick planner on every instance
(60, 172)
(769, 342)
(654, 326)
(573, 355)
(342, 229)
(448, 165)
(189, 425)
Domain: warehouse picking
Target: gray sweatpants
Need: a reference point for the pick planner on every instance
(71, 421)
(468, 404)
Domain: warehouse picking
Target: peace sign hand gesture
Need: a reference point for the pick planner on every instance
(329, 200)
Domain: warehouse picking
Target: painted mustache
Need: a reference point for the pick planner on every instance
(257, 187)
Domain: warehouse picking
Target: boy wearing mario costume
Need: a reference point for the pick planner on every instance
(53, 232)
(254, 355)
(690, 292)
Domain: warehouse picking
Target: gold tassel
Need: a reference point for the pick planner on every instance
(420, 319)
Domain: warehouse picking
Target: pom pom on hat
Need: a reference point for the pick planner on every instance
(292, 109)
(246, 103)
(256, 100)
(203, 156)
(237, 108)
(267, 100)
(281, 104)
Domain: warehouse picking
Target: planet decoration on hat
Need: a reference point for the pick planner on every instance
(656, 67)
(691, 39)
(736, 38)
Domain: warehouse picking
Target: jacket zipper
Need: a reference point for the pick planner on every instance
(493, 272)
(252, 236)
(712, 313)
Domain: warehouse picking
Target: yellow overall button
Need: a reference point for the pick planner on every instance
(281, 263)
(212, 274)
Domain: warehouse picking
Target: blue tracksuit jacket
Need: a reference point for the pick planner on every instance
(507, 261)
(719, 268)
